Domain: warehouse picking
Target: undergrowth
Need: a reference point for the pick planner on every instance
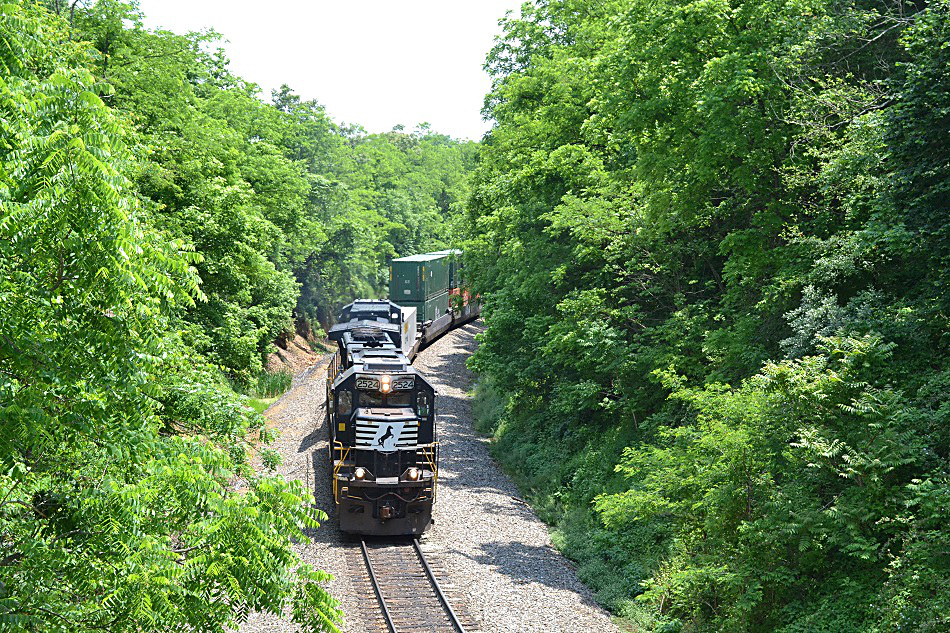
(271, 384)
(560, 480)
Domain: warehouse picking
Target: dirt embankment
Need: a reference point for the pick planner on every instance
(295, 354)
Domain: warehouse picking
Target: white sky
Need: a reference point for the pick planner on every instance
(376, 63)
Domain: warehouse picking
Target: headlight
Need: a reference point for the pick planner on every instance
(360, 472)
(413, 474)
(385, 384)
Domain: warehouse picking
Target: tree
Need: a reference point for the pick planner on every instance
(710, 192)
(126, 499)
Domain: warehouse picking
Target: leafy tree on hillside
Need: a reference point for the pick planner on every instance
(682, 202)
(126, 498)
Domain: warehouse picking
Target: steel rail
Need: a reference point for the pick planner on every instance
(378, 589)
(437, 587)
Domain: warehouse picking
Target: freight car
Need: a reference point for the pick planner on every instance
(381, 411)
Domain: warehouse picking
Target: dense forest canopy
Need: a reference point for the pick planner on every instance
(292, 215)
(713, 242)
(160, 226)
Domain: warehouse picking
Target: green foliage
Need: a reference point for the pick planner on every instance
(126, 501)
(293, 215)
(488, 407)
(271, 384)
(805, 475)
(681, 196)
(261, 404)
(160, 227)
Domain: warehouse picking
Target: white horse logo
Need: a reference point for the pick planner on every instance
(387, 434)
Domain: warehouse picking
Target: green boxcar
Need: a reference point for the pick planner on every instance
(429, 309)
(416, 278)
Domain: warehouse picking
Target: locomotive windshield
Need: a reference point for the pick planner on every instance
(370, 398)
(400, 399)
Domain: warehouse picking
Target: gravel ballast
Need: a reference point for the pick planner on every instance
(492, 548)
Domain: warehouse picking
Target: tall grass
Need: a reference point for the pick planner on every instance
(271, 385)
(488, 406)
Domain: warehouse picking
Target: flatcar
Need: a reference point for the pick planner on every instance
(381, 411)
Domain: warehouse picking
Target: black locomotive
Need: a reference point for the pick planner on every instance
(383, 441)
(381, 412)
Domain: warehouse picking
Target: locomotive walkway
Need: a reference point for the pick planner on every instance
(491, 554)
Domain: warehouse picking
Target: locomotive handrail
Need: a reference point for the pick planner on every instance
(344, 451)
(430, 452)
(334, 370)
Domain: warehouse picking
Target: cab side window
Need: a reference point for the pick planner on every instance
(344, 403)
(422, 405)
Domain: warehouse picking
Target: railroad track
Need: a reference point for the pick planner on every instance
(402, 594)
